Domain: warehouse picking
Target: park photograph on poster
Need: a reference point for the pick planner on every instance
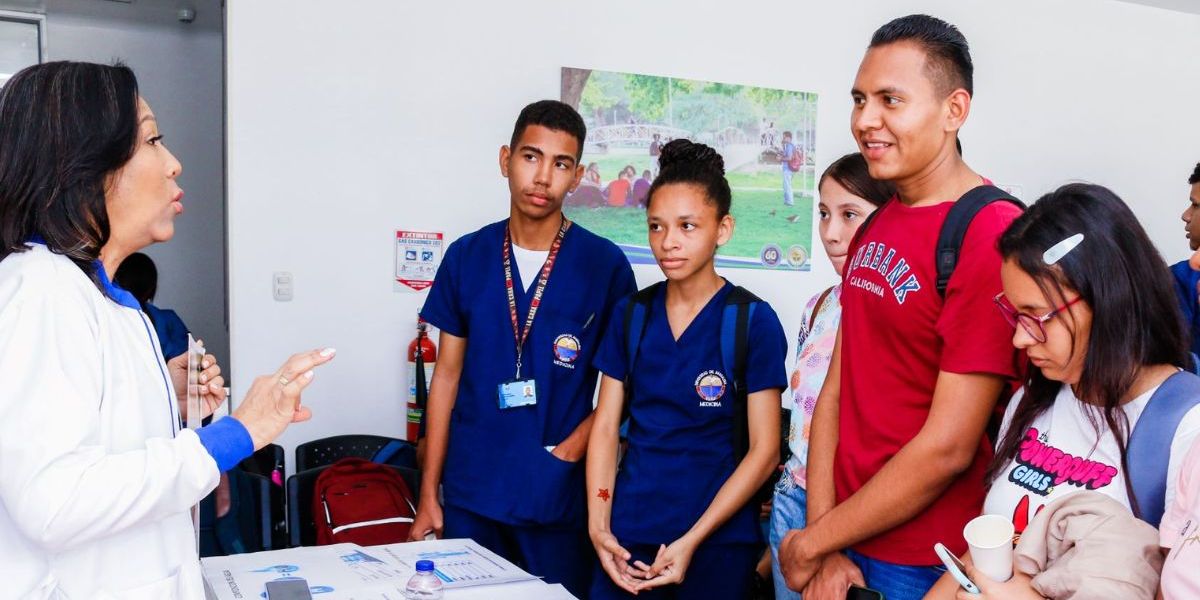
(765, 136)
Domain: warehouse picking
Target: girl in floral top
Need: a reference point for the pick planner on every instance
(848, 195)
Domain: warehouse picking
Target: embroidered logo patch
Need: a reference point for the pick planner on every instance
(566, 350)
(710, 386)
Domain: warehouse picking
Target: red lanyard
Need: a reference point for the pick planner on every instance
(519, 336)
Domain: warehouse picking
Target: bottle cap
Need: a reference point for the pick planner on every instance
(425, 565)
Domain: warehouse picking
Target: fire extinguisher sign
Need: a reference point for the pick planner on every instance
(418, 254)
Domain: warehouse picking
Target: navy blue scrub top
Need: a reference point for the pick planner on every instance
(497, 465)
(1185, 291)
(680, 443)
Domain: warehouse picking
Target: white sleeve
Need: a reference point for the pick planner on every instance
(59, 485)
(1008, 416)
(1185, 434)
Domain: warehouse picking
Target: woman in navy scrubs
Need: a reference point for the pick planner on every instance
(678, 520)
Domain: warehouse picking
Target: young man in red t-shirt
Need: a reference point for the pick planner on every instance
(897, 451)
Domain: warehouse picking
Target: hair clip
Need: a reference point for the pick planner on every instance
(1061, 249)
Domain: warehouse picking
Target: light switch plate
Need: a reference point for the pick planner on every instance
(281, 286)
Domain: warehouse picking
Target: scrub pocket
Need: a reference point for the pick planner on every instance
(553, 494)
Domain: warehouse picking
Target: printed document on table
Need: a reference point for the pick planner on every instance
(459, 563)
(336, 572)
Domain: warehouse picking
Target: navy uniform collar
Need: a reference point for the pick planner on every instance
(115, 292)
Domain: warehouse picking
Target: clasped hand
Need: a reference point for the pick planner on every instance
(670, 564)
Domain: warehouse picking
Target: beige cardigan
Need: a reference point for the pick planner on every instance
(1087, 545)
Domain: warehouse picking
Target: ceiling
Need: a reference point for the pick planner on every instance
(1187, 6)
(146, 12)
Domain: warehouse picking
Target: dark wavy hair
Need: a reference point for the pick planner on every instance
(850, 171)
(1195, 178)
(65, 127)
(684, 161)
(1116, 270)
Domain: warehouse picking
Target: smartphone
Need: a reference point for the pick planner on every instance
(862, 593)
(288, 589)
(956, 568)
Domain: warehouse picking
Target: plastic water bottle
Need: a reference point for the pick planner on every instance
(425, 585)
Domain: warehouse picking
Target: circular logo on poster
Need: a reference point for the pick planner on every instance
(710, 386)
(566, 348)
(797, 256)
(771, 255)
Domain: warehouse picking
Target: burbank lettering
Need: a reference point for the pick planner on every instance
(876, 256)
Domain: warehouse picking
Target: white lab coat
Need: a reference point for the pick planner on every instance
(96, 481)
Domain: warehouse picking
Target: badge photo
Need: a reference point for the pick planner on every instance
(566, 350)
(710, 386)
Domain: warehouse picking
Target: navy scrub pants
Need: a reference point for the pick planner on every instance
(559, 555)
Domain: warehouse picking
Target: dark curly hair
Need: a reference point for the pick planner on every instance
(684, 161)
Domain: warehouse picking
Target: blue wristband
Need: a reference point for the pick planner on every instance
(227, 441)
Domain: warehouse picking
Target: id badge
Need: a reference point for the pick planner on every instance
(521, 392)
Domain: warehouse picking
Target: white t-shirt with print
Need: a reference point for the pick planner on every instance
(1059, 454)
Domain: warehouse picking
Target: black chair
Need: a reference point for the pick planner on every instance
(302, 529)
(248, 527)
(266, 462)
(327, 451)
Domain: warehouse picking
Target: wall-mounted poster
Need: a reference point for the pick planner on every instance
(418, 255)
(766, 137)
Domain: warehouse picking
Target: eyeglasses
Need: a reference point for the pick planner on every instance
(1034, 326)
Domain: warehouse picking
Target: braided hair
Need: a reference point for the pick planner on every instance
(684, 161)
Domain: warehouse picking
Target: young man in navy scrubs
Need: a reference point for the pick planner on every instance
(521, 305)
(1186, 280)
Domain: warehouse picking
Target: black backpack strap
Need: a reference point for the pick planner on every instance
(637, 314)
(735, 350)
(954, 229)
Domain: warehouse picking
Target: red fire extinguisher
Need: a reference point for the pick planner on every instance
(422, 356)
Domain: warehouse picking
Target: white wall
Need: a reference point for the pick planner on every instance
(179, 69)
(346, 125)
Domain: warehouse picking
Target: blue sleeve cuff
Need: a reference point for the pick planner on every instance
(227, 441)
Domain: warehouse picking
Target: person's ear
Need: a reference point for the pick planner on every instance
(958, 106)
(725, 230)
(505, 156)
(579, 171)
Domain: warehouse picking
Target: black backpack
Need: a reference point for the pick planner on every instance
(954, 228)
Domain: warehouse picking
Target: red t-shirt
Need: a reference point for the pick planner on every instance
(618, 192)
(897, 334)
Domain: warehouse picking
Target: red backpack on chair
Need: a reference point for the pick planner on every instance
(361, 502)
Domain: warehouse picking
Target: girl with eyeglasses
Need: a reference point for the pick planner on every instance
(1094, 310)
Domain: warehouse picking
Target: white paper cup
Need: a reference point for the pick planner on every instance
(989, 538)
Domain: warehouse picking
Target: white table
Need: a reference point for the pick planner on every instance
(533, 589)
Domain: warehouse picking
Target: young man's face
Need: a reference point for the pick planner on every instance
(900, 119)
(1191, 218)
(541, 170)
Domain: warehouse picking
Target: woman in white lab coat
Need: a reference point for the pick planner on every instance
(96, 477)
